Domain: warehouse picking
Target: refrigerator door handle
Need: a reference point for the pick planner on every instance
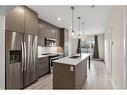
(34, 55)
(33, 52)
(22, 65)
(34, 46)
(25, 56)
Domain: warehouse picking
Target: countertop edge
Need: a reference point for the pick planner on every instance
(73, 62)
(41, 56)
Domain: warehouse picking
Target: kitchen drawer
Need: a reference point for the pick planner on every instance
(43, 65)
(43, 71)
(43, 62)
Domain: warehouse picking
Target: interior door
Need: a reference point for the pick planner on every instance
(14, 75)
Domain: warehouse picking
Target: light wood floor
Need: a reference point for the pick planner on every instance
(97, 78)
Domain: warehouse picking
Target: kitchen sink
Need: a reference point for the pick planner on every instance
(74, 57)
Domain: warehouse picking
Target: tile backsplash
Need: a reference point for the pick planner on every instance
(42, 50)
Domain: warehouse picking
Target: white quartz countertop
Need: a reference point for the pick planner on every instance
(72, 61)
(52, 54)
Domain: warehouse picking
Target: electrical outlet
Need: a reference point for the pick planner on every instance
(71, 68)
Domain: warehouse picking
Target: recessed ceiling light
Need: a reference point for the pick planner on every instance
(71, 27)
(92, 6)
(59, 18)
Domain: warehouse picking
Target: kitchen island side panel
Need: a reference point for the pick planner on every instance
(80, 74)
(63, 77)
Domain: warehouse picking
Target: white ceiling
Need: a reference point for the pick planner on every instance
(4, 10)
(95, 19)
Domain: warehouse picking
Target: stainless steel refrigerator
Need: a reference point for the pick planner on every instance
(21, 60)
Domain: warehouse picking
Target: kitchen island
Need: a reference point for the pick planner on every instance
(70, 72)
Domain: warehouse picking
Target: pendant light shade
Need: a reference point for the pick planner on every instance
(83, 36)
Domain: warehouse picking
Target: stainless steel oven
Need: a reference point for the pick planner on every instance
(51, 59)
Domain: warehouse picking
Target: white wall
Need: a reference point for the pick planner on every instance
(73, 41)
(4, 10)
(74, 46)
(101, 46)
(108, 50)
(125, 46)
(116, 22)
(2, 52)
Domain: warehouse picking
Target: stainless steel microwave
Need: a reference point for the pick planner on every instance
(49, 42)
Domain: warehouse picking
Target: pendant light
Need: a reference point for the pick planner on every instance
(79, 26)
(83, 36)
(72, 8)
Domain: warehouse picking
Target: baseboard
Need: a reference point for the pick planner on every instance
(113, 85)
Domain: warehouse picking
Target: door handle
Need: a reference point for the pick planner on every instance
(34, 50)
(22, 63)
(34, 56)
(25, 56)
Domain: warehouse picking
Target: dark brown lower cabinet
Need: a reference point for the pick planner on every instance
(43, 66)
(69, 76)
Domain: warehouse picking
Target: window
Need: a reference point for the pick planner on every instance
(87, 46)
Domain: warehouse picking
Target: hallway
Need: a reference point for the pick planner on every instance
(97, 78)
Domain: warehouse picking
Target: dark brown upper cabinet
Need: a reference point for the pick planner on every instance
(31, 20)
(58, 37)
(14, 21)
(65, 41)
(22, 19)
(47, 30)
(41, 33)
